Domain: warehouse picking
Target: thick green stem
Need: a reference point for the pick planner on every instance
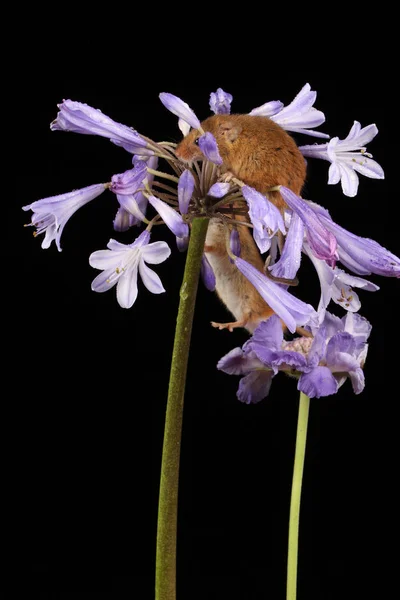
(291, 587)
(168, 495)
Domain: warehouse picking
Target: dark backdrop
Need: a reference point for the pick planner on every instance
(89, 379)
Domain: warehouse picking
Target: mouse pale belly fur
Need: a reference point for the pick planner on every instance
(235, 291)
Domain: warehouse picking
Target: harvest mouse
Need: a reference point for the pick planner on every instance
(261, 154)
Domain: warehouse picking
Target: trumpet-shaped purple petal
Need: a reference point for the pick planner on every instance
(299, 115)
(348, 156)
(291, 310)
(268, 109)
(220, 102)
(207, 274)
(289, 262)
(121, 264)
(179, 108)
(185, 190)
(321, 240)
(219, 190)
(171, 217)
(81, 118)
(264, 216)
(50, 215)
(209, 147)
(362, 255)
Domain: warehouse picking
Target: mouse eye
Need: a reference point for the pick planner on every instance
(196, 141)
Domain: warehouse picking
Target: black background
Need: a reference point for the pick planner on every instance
(88, 380)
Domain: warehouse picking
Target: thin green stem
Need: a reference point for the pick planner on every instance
(168, 495)
(302, 422)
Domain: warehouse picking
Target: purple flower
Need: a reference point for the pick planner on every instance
(209, 147)
(220, 102)
(361, 255)
(120, 265)
(130, 181)
(179, 108)
(219, 190)
(51, 214)
(289, 262)
(322, 364)
(336, 285)
(234, 242)
(321, 240)
(207, 274)
(171, 217)
(264, 216)
(348, 156)
(291, 310)
(81, 118)
(297, 116)
(185, 190)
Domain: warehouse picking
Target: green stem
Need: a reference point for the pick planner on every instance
(291, 587)
(168, 495)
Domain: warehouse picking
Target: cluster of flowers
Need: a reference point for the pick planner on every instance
(337, 348)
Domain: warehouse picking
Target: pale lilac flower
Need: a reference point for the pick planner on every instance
(291, 310)
(130, 181)
(81, 118)
(361, 255)
(209, 147)
(289, 261)
(299, 115)
(207, 274)
(121, 263)
(337, 285)
(348, 156)
(321, 240)
(50, 215)
(265, 217)
(185, 190)
(219, 190)
(171, 217)
(124, 220)
(256, 383)
(220, 102)
(180, 108)
(268, 109)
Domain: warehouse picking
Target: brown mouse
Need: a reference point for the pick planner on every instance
(261, 154)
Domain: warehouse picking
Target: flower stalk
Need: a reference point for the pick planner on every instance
(169, 481)
(293, 545)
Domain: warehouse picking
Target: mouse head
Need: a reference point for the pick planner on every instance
(224, 128)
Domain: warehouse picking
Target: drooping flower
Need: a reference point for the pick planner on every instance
(289, 261)
(50, 215)
(185, 190)
(81, 118)
(265, 217)
(321, 240)
(361, 255)
(290, 309)
(209, 147)
(220, 102)
(171, 217)
(348, 156)
(298, 116)
(207, 274)
(121, 263)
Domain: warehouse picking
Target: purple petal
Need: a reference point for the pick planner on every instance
(129, 203)
(234, 242)
(219, 190)
(185, 190)
(357, 379)
(209, 147)
(129, 182)
(156, 252)
(322, 241)
(124, 220)
(289, 261)
(268, 109)
(318, 382)
(318, 347)
(291, 310)
(341, 342)
(266, 340)
(220, 102)
(182, 243)
(207, 274)
(255, 386)
(237, 362)
(127, 289)
(357, 326)
(171, 217)
(179, 108)
(150, 279)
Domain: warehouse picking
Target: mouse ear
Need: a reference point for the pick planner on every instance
(230, 130)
